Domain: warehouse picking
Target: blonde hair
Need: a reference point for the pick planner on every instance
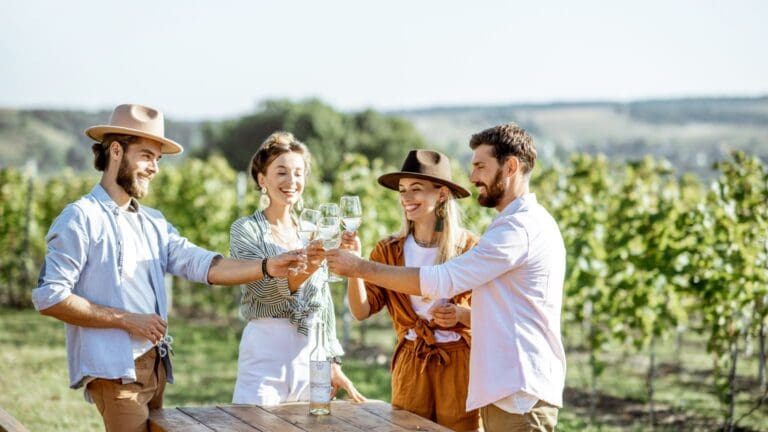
(450, 242)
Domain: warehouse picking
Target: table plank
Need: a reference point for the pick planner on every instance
(371, 416)
(169, 420)
(298, 414)
(402, 418)
(217, 419)
(260, 418)
(363, 419)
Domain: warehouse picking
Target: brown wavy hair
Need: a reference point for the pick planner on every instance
(276, 144)
(508, 140)
(101, 149)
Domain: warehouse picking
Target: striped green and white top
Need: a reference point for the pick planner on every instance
(251, 238)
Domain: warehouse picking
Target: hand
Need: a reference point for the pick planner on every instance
(351, 242)
(286, 264)
(343, 262)
(446, 315)
(339, 380)
(315, 253)
(148, 326)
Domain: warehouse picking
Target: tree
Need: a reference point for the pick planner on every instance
(328, 134)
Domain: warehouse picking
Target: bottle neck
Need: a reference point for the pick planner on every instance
(320, 334)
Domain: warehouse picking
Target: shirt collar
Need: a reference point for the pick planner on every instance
(518, 203)
(103, 197)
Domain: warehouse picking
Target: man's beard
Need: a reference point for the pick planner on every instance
(493, 192)
(129, 181)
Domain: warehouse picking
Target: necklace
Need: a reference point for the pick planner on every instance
(429, 244)
(287, 241)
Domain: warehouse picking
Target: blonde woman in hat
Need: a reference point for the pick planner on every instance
(104, 269)
(273, 361)
(430, 364)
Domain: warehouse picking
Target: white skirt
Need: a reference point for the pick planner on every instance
(273, 363)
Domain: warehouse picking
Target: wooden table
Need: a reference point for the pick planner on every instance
(374, 416)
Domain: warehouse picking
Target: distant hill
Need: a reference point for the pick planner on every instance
(692, 133)
(50, 140)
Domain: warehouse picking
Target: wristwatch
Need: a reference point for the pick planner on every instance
(337, 360)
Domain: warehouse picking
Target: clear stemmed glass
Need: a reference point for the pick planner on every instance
(328, 231)
(309, 220)
(329, 210)
(351, 212)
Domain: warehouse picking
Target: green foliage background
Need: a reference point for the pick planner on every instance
(651, 252)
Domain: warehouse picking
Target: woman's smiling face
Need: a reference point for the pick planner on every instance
(284, 179)
(419, 197)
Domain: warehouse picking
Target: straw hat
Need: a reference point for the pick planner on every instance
(136, 120)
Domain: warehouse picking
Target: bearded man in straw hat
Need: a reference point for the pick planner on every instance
(104, 271)
(516, 273)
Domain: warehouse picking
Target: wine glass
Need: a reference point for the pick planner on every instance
(308, 226)
(308, 222)
(329, 210)
(328, 231)
(351, 212)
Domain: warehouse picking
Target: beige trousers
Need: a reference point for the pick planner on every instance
(542, 418)
(125, 407)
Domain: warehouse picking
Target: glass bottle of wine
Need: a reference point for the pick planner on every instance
(319, 374)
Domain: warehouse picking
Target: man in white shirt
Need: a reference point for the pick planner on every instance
(516, 272)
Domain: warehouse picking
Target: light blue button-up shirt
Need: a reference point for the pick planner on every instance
(85, 257)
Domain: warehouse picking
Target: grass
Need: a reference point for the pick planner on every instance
(34, 381)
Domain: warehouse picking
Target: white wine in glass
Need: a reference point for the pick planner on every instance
(330, 235)
(308, 222)
(351, 212)
(328, 232)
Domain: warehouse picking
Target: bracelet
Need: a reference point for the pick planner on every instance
(264, 269)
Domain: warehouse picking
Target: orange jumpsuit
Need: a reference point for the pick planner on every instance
(428, 378)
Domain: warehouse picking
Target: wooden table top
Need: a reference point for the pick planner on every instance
(375, 416)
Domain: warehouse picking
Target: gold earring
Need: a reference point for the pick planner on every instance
(440, 213)
(264, 201)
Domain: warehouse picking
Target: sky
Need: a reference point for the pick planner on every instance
(218, 59)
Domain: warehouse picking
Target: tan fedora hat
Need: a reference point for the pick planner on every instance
(136, 120)
(428, 165)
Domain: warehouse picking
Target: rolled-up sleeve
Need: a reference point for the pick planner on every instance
(187, 260)
(67, 252)
(375, 294)
(501, 249)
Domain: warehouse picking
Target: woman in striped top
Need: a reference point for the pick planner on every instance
(273, 362)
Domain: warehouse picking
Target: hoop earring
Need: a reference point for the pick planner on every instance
(264, 201)
(440, 213)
